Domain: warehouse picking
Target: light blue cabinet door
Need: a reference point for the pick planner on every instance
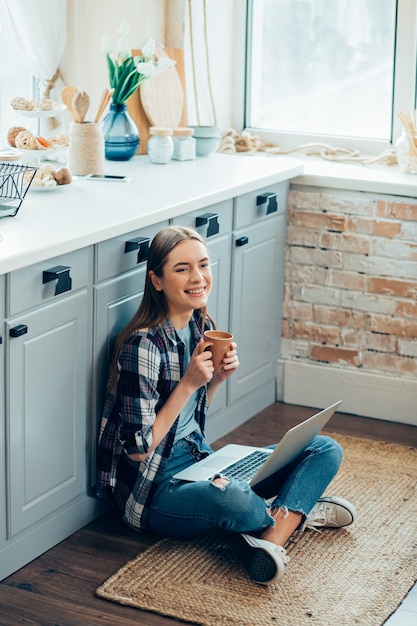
(120, 280)
(115, 303)
(218, 305)
(256, 302)
(2, 421)
(47, 397)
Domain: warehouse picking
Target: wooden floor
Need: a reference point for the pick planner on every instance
(58, 588)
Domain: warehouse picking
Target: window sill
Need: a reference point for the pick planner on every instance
(382, 179)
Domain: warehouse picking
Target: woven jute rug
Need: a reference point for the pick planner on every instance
(357, 575)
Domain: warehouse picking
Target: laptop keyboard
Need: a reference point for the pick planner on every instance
(246, 468)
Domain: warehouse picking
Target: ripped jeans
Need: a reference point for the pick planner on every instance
(184, 509)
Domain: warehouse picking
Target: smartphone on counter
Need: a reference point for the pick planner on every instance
(108, 177)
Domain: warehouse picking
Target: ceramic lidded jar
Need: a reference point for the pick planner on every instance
(184, 144)
(160, 144)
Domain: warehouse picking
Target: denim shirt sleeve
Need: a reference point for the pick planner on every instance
(138, 393)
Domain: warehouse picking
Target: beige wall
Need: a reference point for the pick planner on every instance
(167, 21)
(84, 64)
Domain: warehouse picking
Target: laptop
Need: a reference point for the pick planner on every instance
(252, 464)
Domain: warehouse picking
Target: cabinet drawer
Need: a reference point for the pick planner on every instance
(124, 253)
(216, 219)
(48, 280)
(261, 204)
(2, 298)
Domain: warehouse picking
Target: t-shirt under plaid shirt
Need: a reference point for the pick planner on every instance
(150, 366)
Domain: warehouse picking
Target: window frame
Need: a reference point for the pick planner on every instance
(404, 89)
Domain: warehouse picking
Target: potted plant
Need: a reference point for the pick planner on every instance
(126, 73)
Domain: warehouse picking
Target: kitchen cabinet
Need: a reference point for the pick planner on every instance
(73, 274)
(245, 237)
(48, 364)
(2, 422)
(258, 283)
(246, 240)
(120, 272)
(255, 306)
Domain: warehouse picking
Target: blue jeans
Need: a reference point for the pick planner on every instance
(184, 509)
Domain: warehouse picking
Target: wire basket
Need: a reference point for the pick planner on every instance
(15, 180)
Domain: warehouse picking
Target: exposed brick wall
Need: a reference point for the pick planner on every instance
(351, 281)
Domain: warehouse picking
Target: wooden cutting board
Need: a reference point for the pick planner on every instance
(162, 102)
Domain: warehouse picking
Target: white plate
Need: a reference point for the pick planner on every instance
(45, 188)
(39, 153)
(39, 113)
(52, 188)
(9, 154)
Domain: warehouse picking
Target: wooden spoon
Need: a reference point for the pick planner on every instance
(67, 95)
(81, 102)
(105, 99)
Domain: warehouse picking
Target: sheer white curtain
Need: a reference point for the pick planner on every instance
(33, 39)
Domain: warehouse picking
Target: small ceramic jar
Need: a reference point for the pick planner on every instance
(160, 144)
(184, 144)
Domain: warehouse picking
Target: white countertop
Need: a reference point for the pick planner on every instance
(383, 179)
(50, 223)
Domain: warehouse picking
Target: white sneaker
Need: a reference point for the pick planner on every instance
(331, 512)
(263, 560)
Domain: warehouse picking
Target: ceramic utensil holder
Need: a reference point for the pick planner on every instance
(86, 151)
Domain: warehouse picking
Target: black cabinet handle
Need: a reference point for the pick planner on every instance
(1, 340)
(60, 273)
(141, 244)
(242, 241)
(19, 330)
(212, 221)
(270, 199)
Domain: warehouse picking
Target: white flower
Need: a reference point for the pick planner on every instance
(148, 49)
(147, 69)
(105, 46)
(163, 63)
(123, 29)
(126, 73)
(123, 49)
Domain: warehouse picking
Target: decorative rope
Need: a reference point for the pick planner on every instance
(53, 122)
(208, 65)
(206, 47)
(233, 142)
(190, 16)
(51, 82)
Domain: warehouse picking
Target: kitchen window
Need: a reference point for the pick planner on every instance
(330, 71)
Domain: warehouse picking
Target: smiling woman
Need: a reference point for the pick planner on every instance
(154, 417)
(186, 281)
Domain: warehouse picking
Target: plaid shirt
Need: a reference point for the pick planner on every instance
(150, 366)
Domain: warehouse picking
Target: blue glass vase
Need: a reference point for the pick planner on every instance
(121, 135)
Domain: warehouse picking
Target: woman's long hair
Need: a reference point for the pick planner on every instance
(153, 309)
